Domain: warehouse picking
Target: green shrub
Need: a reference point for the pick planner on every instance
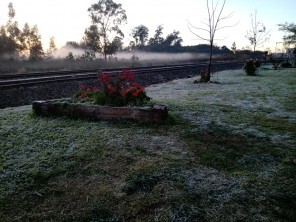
(257, 64)
(276, 62)
(286, 65)
(202, 77)
(250, 67)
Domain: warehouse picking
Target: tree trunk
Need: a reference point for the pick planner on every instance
(208, 78)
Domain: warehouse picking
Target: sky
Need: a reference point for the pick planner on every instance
(66, 20)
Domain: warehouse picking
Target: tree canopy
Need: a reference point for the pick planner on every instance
(140, 34)
(17, 42)
(104, 33)
(290, 29)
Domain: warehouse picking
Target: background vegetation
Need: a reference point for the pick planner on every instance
(21, 49)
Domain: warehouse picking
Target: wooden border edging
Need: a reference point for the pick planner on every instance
(53, 108)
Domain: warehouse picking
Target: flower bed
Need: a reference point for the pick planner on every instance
(58, 108)
(119, 89)
(112, 99)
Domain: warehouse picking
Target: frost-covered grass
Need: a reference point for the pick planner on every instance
(226, 154)
(268, 97)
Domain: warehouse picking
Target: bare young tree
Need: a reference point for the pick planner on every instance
(258, 34)
(212, 26)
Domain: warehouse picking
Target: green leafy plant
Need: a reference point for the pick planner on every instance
(250, 67)
(202, 77)
(286, 65)
(120, 89)
(257, 63)
(276, 61)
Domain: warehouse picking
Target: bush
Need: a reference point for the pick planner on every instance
(250, 67)
(286, 65)
(115, 90)
(275, 62)
(257, 64)
(202, 77)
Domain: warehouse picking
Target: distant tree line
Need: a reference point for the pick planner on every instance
(25, 42)
(104, 36)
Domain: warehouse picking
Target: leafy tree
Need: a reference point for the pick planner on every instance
(116, 45)
(52, 47)
(36, 49)
(88, 55)
(31, 42)
(132, 45)
(12, 26)
(157, 38)
(214, 19)
(258, 34)
(92, 40)
(173, 39)
(140, 34)
(233, 47)
(10, 34)
(224, 49)
(26, 40)
(7, 45)
(73, 44)
(20, 42)
(70, 56)
(106, 17)
(290, 29)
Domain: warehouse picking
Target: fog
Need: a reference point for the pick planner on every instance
(64, 51)
(153, 56)
(136, 55)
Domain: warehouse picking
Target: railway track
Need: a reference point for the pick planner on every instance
(29, 79)
(23, 89)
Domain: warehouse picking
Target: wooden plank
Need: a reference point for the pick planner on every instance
(53, 108)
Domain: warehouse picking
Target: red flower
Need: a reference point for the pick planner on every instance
(82, 96)
(141, 89)
(82, 86)
(124, 93)
(110, 86)
(128, 75)
(95, 88)
(105, 78)
(131, 77)
(114, 85)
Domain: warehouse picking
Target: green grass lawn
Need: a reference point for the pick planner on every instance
(227, 153)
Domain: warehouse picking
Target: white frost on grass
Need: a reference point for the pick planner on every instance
(237, 100)
(15, 109)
